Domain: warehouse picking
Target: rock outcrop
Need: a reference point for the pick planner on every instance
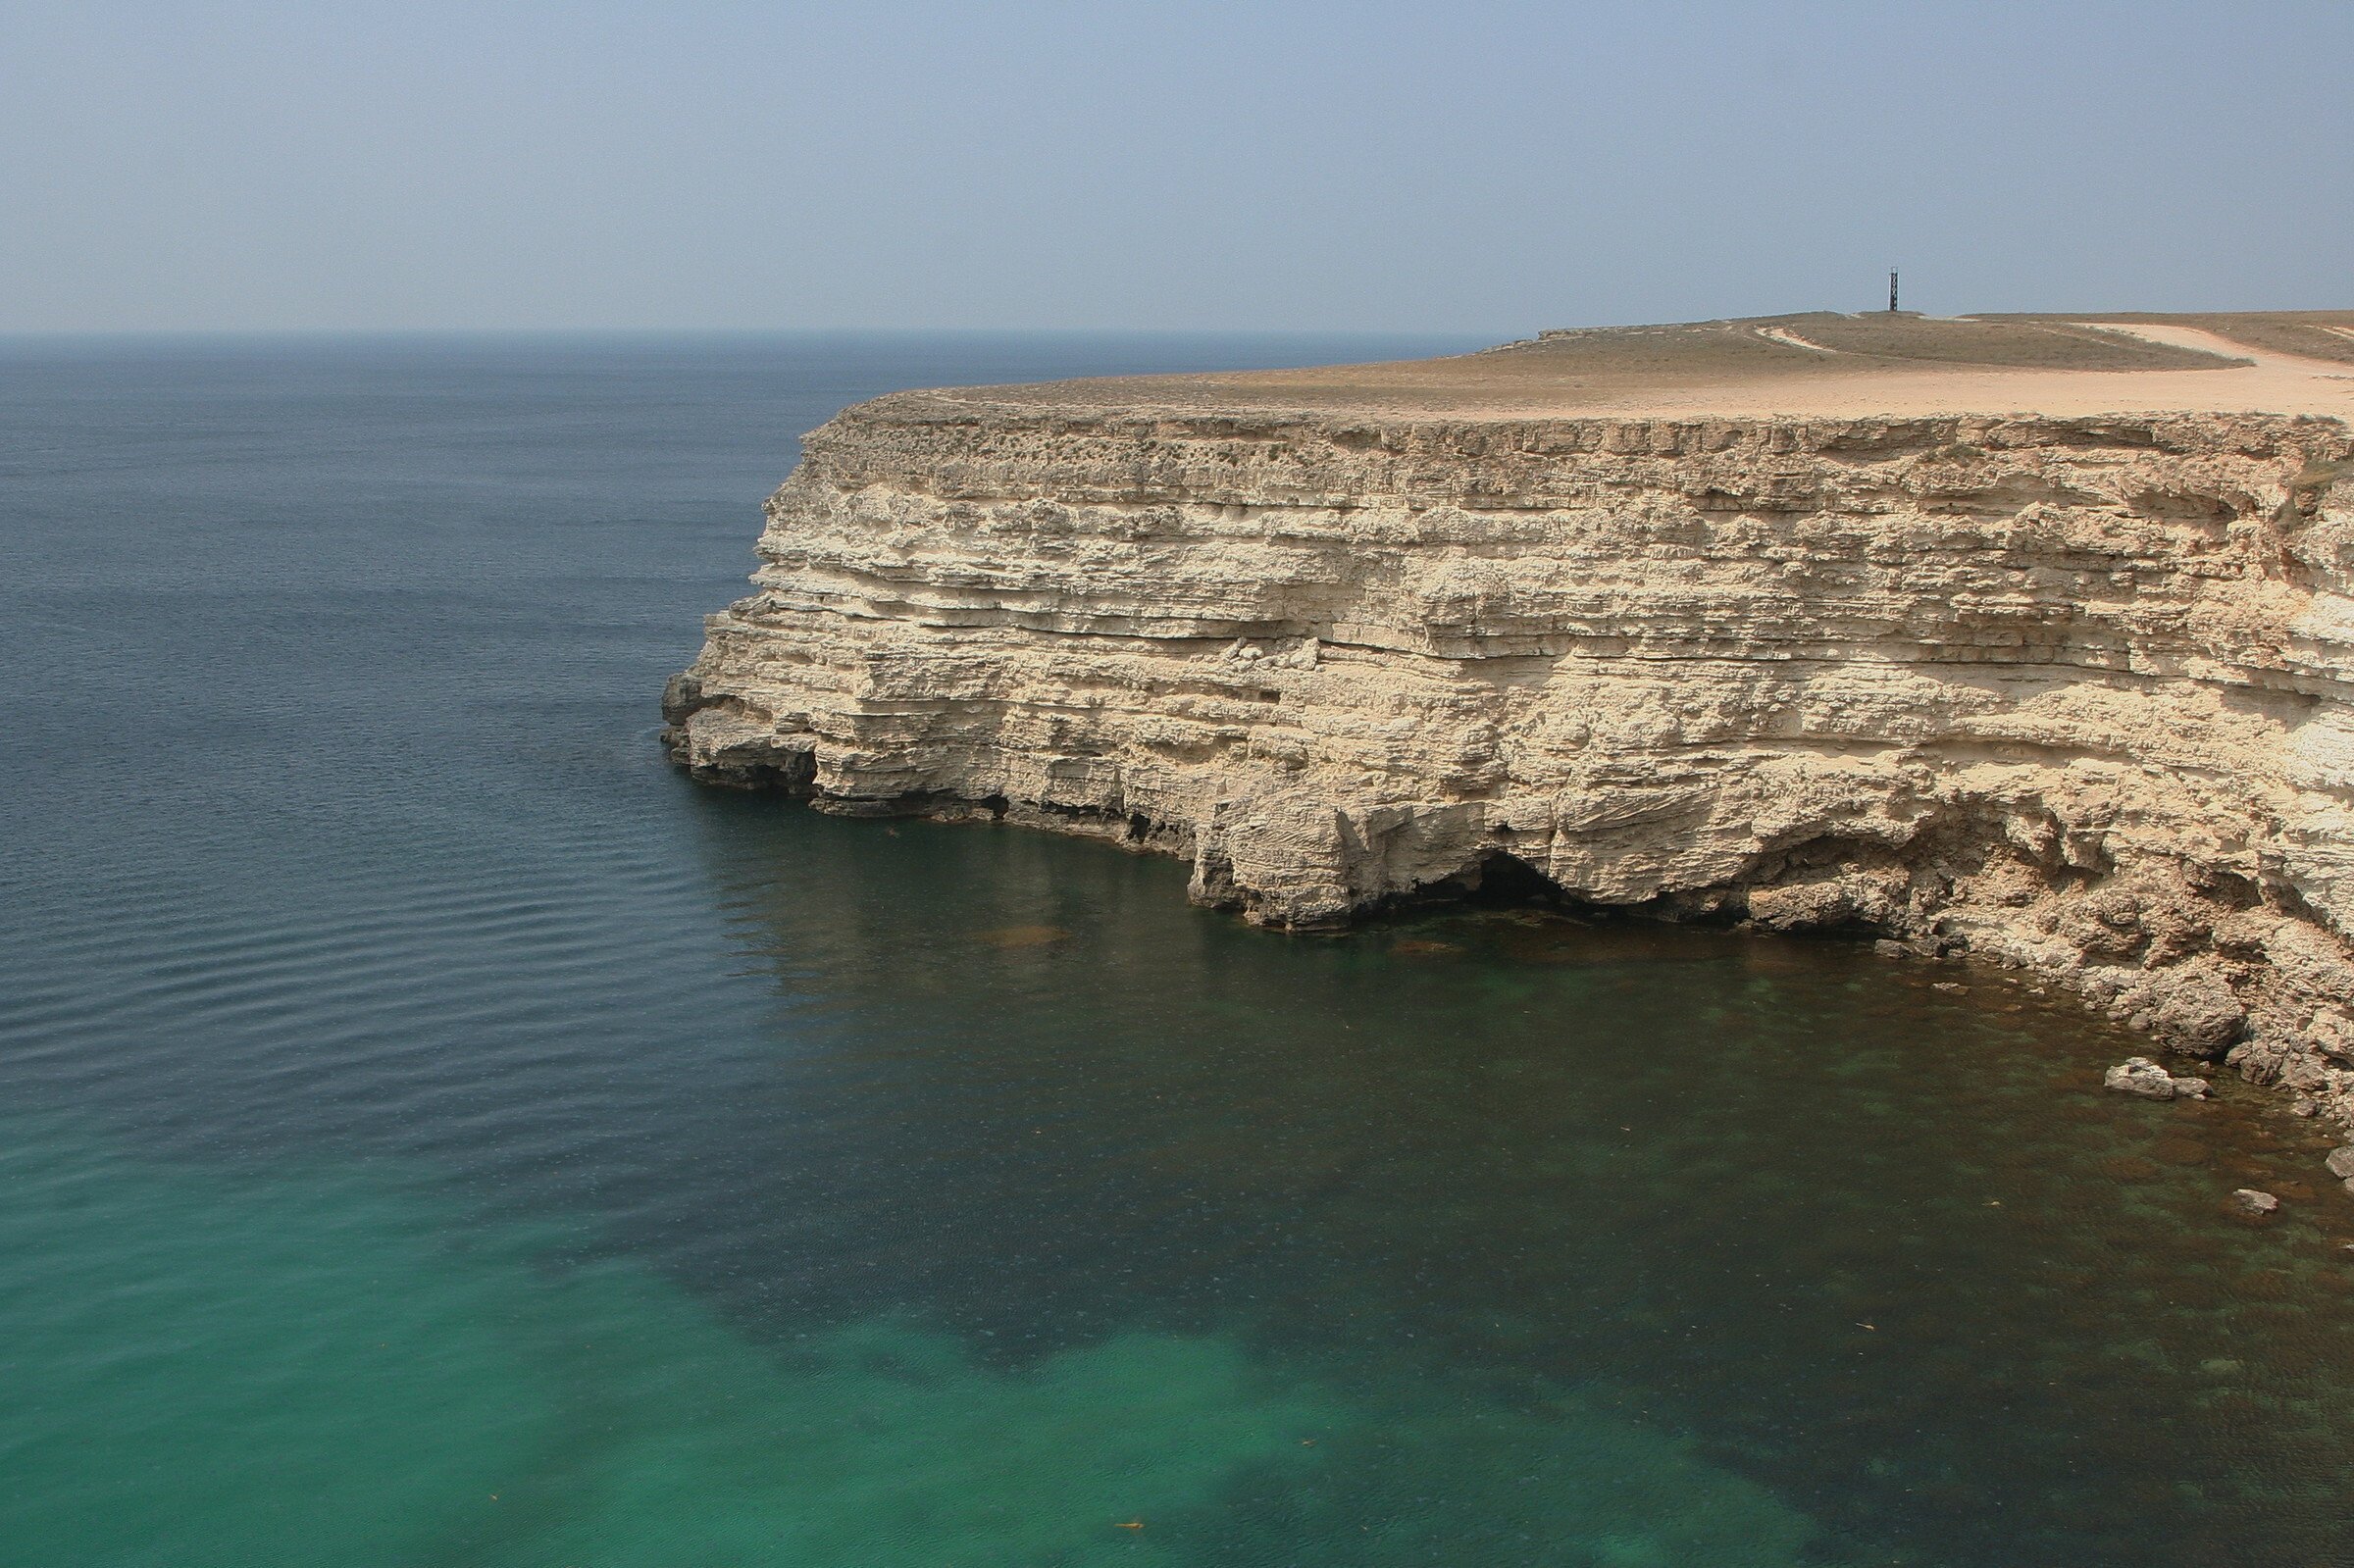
(2139, 1075)
(2070, 694)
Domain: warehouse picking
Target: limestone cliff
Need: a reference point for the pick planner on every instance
(2067, 692)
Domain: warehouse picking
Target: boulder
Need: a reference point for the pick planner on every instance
(2138, 1074)
(2249, 1200)
(2200, 1022)
(2341, 1161)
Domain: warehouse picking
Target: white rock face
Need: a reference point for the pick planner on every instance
(2070, 694)
(2139, 1075)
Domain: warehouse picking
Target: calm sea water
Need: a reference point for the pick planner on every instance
(432, 1133)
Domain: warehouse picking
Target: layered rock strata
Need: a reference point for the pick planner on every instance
(2071, 693)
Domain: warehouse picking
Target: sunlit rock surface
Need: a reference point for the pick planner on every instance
(2069, 691)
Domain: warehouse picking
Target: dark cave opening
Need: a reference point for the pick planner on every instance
(1502, 878)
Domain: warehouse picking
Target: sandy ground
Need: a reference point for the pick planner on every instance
(1825, 365)
(2272, 383)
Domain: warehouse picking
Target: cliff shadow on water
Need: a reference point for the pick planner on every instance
(1662, 1209)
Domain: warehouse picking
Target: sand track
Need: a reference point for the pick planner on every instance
(1784, 335)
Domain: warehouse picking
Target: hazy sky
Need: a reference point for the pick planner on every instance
(1481, 167)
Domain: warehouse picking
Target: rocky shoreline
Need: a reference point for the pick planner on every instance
(2068, 694)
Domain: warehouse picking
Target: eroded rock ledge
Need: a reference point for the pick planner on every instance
(2070, 694)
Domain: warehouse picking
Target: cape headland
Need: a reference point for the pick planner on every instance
(2027, 637)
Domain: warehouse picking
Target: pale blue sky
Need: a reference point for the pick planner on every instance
(1482, 167)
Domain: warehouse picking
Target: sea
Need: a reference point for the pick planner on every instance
(435, 1134)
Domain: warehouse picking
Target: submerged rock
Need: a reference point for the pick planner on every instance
(2252, 1201)
(2138, 1074)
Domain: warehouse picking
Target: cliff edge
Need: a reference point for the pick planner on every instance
(2027, 636)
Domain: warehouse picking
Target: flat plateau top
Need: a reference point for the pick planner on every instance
(1824, 364)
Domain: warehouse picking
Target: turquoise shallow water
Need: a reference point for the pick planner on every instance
(432, 1133)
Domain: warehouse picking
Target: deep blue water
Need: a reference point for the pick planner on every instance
(436, 1133)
